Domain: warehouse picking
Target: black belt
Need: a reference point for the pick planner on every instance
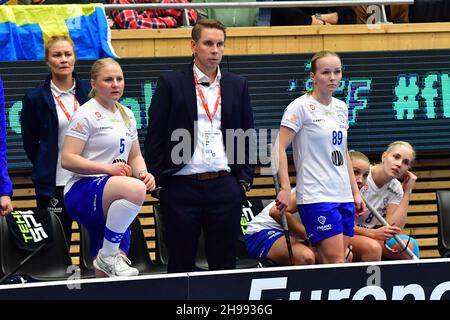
(207, 175)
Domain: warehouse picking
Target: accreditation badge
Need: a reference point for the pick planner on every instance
(213, 145)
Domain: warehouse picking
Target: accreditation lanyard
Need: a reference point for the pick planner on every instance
(63, 108)
(204, 102)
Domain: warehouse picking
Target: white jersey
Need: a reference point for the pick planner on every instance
(108, 140)
(320, 149)
(67, 98)
(379, 198)
(263, 220)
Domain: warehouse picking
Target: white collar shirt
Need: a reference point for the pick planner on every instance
(198, 163)
(67, 99)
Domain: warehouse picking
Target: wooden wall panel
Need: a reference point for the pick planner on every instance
(138, 48)
(295, 39)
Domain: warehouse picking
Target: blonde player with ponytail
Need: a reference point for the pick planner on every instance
(110, 178)
(326, 191)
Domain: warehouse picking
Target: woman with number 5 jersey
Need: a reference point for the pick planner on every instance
(316, 124)
(110, 178)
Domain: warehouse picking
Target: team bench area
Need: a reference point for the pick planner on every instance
(433, 175)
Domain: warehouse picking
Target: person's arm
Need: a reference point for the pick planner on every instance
(150, 19)
(396, 213)
(345, 15)
(202, 12)
(29, 123)
(5, 205)
(363, 231)
(362, 14)
(360, 206)
(132, 19)
(247, 170)
(177, 14)
(6, 189)
(330, 18)
(382, 233)
(285, 137)
(295, 226)
(193, 16)
(155, 139)
(72, 160)
(138, 167)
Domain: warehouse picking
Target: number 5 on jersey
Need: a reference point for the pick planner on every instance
(122, 145)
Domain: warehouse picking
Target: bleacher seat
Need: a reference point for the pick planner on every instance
(51, 262)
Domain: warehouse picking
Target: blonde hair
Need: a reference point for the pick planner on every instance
(96, 68)
(54, 39)
(317, 56)
(404, 144)
(358, 155)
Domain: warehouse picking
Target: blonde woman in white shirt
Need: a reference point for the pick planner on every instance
(316, 124)
(390, 198)
(110, 178)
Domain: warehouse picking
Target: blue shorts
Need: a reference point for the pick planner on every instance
(258, 244)
(326, 219)
(392, 242)
(84, 204)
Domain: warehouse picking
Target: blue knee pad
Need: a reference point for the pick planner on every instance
(391, 242)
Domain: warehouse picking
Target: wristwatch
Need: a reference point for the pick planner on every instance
(318, 16)
(246, 185)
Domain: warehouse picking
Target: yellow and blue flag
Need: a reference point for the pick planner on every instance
(24, 30)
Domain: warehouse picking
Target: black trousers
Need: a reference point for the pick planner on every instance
(55, 204)
(188, 206)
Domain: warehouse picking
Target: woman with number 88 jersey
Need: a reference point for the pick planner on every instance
(327, 194)
(390, 198)
(110, 178)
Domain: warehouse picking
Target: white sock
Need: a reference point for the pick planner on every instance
(121, 214)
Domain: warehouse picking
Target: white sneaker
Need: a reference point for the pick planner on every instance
(115, 265)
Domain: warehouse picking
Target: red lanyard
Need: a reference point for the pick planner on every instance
(63, 108)
(205, 104)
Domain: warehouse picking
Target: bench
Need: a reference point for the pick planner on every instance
(432, 175)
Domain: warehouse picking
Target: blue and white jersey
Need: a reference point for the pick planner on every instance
(379, 198)
(320, 149)
(263, 220)
(108, 139)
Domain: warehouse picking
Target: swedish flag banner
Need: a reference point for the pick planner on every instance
(24, 30)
